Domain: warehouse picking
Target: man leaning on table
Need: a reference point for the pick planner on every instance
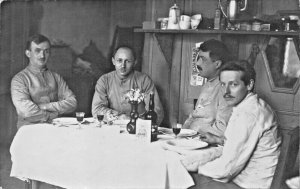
(39, 94)
(111, 88)
(211, 112)
(251, 140)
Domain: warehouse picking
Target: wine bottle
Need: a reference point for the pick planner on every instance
(151, 115)
(217, 19)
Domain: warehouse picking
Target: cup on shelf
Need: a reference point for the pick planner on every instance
(195, 20)
(184, 22)
(163, 23)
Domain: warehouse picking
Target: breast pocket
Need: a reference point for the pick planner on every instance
(204, 110)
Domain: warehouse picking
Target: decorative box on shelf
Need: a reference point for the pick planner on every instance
(151, 25)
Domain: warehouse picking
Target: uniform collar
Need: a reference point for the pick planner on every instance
(246, 101)
(126, 78)
(36, 69)
(213, 81)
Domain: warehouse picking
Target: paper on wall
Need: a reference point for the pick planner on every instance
(196, 79)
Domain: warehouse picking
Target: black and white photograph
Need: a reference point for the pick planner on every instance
(149, 94)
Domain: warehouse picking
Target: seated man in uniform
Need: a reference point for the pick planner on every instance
(111, 88)
(251, 141)
(211, 112)
(39, 94)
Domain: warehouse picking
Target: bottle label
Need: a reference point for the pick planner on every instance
(143, 130)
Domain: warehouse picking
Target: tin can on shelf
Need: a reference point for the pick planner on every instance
(246, 26)
(256, 26)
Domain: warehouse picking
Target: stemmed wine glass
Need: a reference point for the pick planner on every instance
(176, 129)
(79, 117)
(100, 118)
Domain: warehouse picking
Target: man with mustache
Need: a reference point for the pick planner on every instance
(251, 140)
(211, 113)
(111, 88)
(39, 94)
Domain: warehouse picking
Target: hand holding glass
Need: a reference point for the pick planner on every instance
(176, 129)
(79, 117)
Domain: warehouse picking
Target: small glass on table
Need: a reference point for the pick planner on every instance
(79, 117)
(100, 118)
(176, 129)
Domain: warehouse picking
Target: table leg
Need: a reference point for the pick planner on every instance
(27, 185)
(34, 184)
(31, 184)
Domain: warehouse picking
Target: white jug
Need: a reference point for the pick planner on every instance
(234, 8)
(174, 14)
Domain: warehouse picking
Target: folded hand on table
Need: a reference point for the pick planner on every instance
(212, 139)
(111, 116)
(193, 160)
(123, 117)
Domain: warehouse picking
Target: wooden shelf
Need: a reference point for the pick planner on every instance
(288, 12)
(227, 32)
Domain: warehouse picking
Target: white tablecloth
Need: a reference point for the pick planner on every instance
(92, 158)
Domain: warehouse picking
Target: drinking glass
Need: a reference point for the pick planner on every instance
(100, 118)
(176, 129)
(79, 117)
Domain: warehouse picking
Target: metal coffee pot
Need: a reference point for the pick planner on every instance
(174, 14)
(233, 8)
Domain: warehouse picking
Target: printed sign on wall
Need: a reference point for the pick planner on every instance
(196, 79)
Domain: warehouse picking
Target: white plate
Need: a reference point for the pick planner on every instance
(121, 122)
(183, 132)
(187, 144)
(293, 183)
(66, 120)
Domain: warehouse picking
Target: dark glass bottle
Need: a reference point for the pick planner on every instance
(151, 115)
(217, 19)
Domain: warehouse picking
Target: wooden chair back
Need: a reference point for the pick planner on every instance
(288, 157)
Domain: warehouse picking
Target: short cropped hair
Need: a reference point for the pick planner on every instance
(125, 47)
(37, 39)
(217, 50)
(243, 66)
